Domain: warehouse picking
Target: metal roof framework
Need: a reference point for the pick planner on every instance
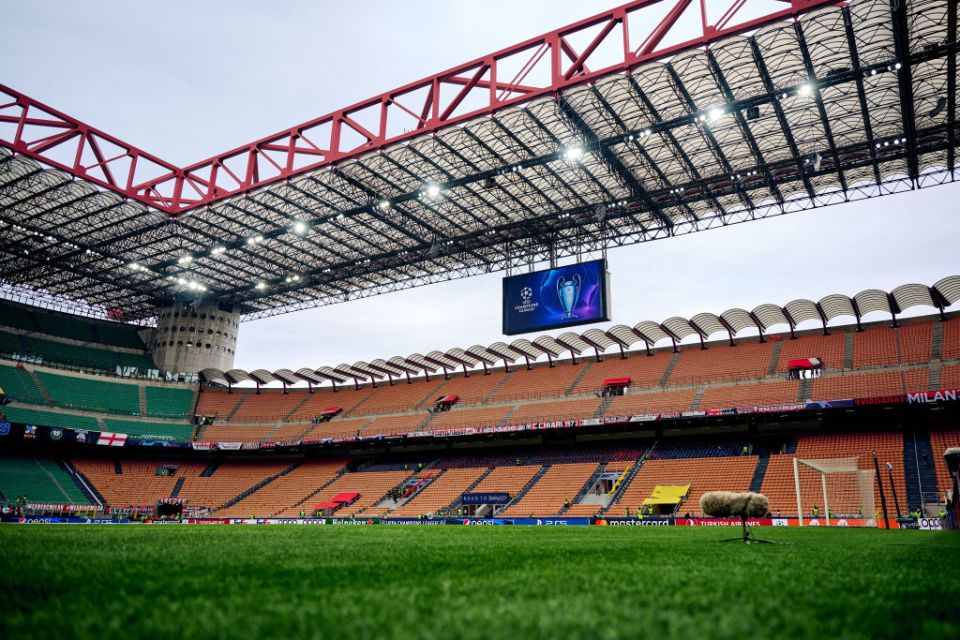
(942, 295)
(606, 134)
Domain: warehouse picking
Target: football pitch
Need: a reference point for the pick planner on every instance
(479, 582)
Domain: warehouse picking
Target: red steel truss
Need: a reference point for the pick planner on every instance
(544, 65)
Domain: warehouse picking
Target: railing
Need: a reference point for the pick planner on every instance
(134, 373)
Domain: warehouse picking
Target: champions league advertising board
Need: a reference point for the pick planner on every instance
(561, 297)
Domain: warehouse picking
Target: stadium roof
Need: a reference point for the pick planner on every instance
(945, 293)
(595, 135)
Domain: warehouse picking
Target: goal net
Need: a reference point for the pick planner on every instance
(834, 487)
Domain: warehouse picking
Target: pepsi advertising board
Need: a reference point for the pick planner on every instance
(554, 298)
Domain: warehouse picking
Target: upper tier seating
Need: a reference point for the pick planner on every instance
(866, 385)
(748, 395)
(702, 474)
(72, 355)
(19, 386)
(828, 348)
(180, 432)
(12, 315)
(940, 441)
(441, 493)
(951, 339)
(39, 480)
(69, 326)
(720, 361)
(779, 485)
(401, 396)
(338, 428)
(541, 381)
(457, 418)
(100, 395)
(475, 388)
(950, 377)
(235, 433)
(643, 371)
(285, 491)
(877, 346)
(219, 403)
(346, 398)
(169, 402)
(559, 485)
(269, 405)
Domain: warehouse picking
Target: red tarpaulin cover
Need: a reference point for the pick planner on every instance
(804, 363)
(449, 399)
(617, 382)
(327, 505)
(331, 410)
(344, 497)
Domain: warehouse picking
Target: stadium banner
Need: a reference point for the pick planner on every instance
(523, 522)
(723, 522)
(647, 521)
(721, 412)
(877, 400)
(553, 298)
(230, 446)
(485, 498)
(4, 428)
(203, 446)
(930, 397)
(930, 524)
(829, 404)
(414, 521)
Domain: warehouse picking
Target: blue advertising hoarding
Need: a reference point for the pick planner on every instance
(562, 297)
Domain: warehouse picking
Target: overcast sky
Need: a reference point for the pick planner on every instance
(185, 80)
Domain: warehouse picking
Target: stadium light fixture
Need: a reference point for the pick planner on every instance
(383, 205)
(573, 154)
(299, 228)
(218, 250)
(185, 260)
(134, 266)
(254, 240)
(805, 90)
(432, 190)
(261, 286)
(716, 113)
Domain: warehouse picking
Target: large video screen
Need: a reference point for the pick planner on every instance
(561, 297)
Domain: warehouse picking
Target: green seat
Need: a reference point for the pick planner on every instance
(169, 402)
(18, 413)
(182, 432)
(141, 361)
(93, 395)
(19, 386)
(118, 335)
(39, 480)
(12, 315)
(71, 354)
(55, 324)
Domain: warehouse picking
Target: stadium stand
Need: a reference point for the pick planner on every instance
(441, 493)
(868, 385)
(644, 371)
(508, 479)
(879, 346)
(235, 433)
(651, 402)
(285, 491)
(764, 393)
(37, 479)
(341, 428)
(168, 402)
(779, 485)
(702, 474)
(553, 491)
(540, 381)
(371, 485)
(940, 441)
(813, 345)
(474, 389)
(558, 410)
(18, 384)
(401, 396)
(267, 406)
(720, 361)
(151, 430)
(950, 377)
(951, 339)
(100, 395)
(229, 481)
(482, 417)
(28, 415)
(138, 484)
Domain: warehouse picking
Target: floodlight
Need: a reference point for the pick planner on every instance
(299, 227)
(806, 89)
(572, 154)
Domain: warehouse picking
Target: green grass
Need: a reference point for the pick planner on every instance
(480, 582)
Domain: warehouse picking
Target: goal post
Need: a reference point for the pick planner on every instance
(833, 487)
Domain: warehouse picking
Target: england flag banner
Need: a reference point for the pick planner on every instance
(112, 439)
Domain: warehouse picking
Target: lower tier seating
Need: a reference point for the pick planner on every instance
(286, 491)
(441, 493)
(371, 485)
(557, 487)
(37, 479)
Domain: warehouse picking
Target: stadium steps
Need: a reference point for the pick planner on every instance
(211, 469)
(697, 398)
(496, 388)
(54, 480)
(761, 471)
(933, 382)
(177, 486)
(848, 350)
(576, 381)
(420, 487)
(918, 468)
(453, 505)
(937, 341)
(805, 390)
(117, 467)
(306, 398)
(586, 487)
(85, 486)
(536, 477)
(142, 392)
(625, 483)
(326, 484)
(246, 492)
(41, 387)
(669, 369)
(236, 407)
(775, 358)
(602, 409)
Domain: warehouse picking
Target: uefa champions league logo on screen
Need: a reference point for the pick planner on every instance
(568, 291)
(526, 293)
